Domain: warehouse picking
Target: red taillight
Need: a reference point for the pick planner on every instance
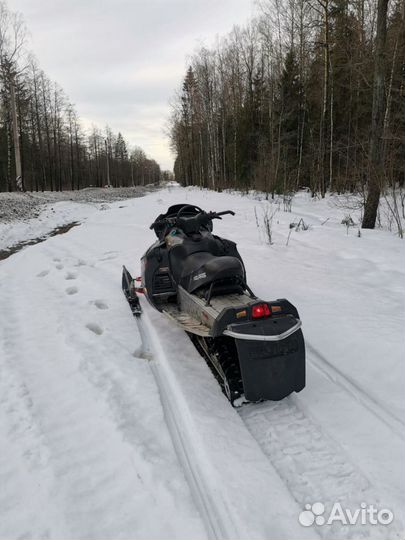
(260, 310)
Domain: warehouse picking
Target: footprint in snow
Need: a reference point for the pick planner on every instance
(95, 328)
(71, 275)
(140, 352)
(109, 256)
(43, 273)
(100, 304)
(59, 266)
(72, 290)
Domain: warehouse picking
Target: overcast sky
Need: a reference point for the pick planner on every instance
(120, 61)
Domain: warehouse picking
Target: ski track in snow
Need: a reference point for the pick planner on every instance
(217, 517)
(207, 502)
(396, 424)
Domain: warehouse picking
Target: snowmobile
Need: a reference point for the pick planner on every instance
(198, 280)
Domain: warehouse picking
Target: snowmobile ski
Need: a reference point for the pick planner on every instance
(130, 290)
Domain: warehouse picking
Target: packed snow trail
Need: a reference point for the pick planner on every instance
(82, 416)
(100, 442)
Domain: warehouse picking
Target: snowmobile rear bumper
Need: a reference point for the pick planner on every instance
(262, 337)
(271, 357)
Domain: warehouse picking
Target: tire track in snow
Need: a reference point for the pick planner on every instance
(333, 374)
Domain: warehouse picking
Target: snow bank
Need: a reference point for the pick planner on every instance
(25, 216)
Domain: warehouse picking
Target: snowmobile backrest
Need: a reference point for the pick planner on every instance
(178, 254)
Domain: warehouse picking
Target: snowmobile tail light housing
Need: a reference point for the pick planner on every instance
(260, 310)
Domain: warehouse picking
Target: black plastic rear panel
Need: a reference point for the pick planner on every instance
(271, 370)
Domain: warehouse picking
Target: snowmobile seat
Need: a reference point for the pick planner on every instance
(202, 268)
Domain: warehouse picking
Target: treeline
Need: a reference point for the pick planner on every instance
(309, 94)
(42, 144)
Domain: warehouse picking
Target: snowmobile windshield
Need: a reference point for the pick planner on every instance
(186, 210)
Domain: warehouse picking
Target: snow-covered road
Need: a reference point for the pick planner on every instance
(99, 441)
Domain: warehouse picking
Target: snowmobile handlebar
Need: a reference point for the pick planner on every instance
(206, 217)
(191, 223)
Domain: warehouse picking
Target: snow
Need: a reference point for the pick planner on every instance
(97, 441)
(25, 216)
(49, 218)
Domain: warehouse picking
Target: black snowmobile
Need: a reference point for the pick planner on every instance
(198, 280)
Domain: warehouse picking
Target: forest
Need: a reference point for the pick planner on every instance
(309, 94)
(43, 145)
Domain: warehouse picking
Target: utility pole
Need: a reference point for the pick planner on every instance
(16, 136)
(107, 162)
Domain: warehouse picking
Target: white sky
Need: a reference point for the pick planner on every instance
(120, 61)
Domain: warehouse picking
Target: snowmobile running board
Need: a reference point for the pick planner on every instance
(254, 337)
